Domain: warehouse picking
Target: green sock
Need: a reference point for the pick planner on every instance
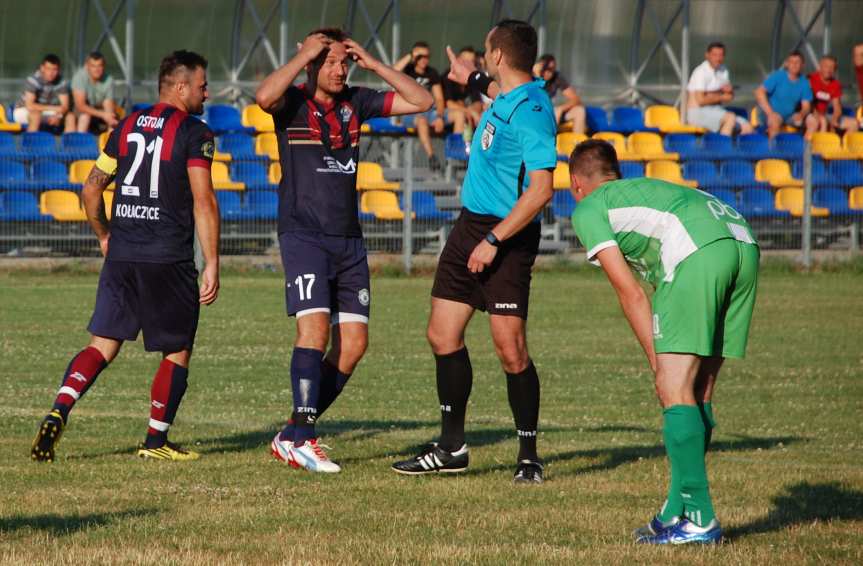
(684, 435)
(706, 409)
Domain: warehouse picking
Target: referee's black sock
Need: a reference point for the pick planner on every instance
(523, 392)
(454, 382)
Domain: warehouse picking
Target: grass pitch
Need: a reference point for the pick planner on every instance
(786, 468)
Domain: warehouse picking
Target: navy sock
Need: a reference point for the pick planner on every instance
(306, 385)
(332, 383)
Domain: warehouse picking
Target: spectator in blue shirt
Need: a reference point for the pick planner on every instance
(785, 97)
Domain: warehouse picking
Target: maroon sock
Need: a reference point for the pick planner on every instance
(169, 385)
(79, 376)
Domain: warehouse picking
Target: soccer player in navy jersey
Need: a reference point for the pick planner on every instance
(160, 158)
(323, 253)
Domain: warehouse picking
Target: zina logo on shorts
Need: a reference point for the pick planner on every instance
(363, 297)
(506, 306)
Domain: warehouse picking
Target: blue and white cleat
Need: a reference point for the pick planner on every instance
(686, 532)
(655, 527)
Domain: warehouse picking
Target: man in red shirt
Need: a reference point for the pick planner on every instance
(858, 67)
(827, 95)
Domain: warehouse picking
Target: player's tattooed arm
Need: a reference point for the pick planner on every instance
(94, 205)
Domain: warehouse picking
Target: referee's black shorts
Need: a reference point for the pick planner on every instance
(503, 287)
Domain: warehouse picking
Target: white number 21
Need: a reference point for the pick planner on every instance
(154, 148)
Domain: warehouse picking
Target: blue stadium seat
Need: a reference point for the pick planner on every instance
(820, 176)
(21, 207)
(684, 144)
(835, 199)
(740, 174)
(261, 205)
(754, 147)
(454, 147)
(631, 169)
(597, 119)
(727, 196)
(704, 172)
(13, 175)
(79, 146)
(562, 204)
(50, 174)
(240, 146)
(7, 145)
(223, 119)
(718, 147)
(385, 126)
(253, 174)
(847, 172)
(425, 207)
(788, 146)
(38, 144)
(628, 119)
(759, 203)
(141, 106)
(230, 206)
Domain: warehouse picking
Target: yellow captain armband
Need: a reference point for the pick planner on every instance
(106, 163)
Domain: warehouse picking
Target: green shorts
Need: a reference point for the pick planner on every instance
(707, 308)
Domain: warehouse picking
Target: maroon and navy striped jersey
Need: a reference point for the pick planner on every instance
(319, 149)
(152, 218)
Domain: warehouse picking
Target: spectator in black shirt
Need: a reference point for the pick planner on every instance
(416, 65)
(571, 109)
(463, 104)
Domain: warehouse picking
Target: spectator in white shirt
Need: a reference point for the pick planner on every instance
(708, 90)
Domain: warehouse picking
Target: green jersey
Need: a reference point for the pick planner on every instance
(655, 224)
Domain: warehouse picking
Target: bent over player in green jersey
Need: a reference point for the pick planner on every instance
(700, 256)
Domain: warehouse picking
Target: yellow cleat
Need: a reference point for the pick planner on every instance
(49, 434)
(168, 451)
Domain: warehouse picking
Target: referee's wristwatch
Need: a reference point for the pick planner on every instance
(492, 239)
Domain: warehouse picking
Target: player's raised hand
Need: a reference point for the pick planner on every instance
(459, 71)
(209, 285)
(312, 46)
(362, 57)
(481, 257)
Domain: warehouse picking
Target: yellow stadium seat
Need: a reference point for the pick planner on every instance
(254, 117)
(5, 125)
(383, 204)
(668, 171)
(855, 198)
(860, 114)
(561, 176)
(62, 205)
(619, 143)
(567, 141)
(275, 173)
(267, 144)
(565, 126)
(829, 146)
(370, 176)
(853, 144)
(221, 156)
(103, 139)
(648, 146)
(777, 172)
(222, 178)
(108, 197)
(791, 199)
(667, 119)
(80, 170)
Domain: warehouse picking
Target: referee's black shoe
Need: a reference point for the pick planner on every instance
(433, 459)
(528, 472)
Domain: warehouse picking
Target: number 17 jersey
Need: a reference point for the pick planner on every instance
(152, 217)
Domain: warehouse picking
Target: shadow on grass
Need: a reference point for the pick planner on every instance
(60, 525)
(614, 457)
(805, 502)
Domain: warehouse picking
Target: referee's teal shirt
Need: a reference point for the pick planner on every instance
(519, 128)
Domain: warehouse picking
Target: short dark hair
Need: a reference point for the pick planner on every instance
(467, 49)
(187, 60)
(420, 44)
(797, 53)
(715, 45)
(594, 156)
(517, 40)
(51, 58)
(336, 34)
(95, 56)
(831, 57)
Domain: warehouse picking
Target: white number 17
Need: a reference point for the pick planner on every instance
(305, 292)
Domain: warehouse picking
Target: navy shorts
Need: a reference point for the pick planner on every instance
(326, 274)
(160, 299)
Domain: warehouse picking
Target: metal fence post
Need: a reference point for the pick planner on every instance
(408, 192)
(806, 227)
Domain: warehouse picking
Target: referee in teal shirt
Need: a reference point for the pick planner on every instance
(487, 261)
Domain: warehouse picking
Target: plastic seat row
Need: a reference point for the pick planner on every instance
(42, 144)
(59, 205)
(387, 205)
(788, 201)
(43, 174)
